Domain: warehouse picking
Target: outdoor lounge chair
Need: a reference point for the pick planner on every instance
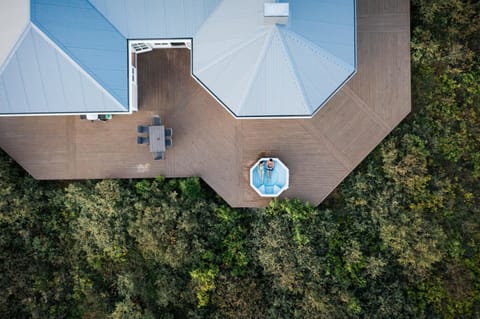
(168, 142)
(142, 129)
(156, 120)
(142, 140)
(168, 132)
(158, 156)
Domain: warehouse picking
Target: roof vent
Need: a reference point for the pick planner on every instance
(276, 12)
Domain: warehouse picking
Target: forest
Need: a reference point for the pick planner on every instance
(399, 238)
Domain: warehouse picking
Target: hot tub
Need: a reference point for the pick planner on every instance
(269, 184)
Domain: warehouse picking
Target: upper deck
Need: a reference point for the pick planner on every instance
(208, 142)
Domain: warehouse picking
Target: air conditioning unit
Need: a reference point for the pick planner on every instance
(276, 12)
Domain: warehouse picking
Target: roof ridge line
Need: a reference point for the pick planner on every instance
(15, 47)
(256, 68)
(204, 22)
(107, 19)
(320, 50)
(310, 46)
(230, 52)
(290, 62)
(76, 65)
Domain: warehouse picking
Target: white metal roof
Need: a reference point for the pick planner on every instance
(255, 67)
(156, 19)
(39, 78)
(258, 68)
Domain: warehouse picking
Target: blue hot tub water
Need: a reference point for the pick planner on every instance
(272, 185)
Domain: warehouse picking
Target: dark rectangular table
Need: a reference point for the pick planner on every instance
(156, 135)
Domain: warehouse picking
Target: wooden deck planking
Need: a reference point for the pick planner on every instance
(383, 76)
(22, 139)
(382, 7)
(383, 24)
(351, 129)
(204, 133)
(306, 156)
(210, 143)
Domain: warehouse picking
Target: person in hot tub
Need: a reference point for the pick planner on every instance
(261, 167)
(270, 166)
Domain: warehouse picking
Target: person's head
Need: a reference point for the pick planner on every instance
(271, 160)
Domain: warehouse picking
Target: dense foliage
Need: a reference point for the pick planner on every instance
(400, 238)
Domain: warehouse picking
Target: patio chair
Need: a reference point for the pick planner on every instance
(105, 117)
(156, 120)
(168, 142)
(158, 156)
(142, 140)
(168, 132)
(142, 129)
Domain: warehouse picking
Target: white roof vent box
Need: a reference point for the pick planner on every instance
(276, 13)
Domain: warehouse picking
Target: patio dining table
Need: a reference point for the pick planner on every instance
(156, 135)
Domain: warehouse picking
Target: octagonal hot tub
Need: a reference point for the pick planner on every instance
(268, 182)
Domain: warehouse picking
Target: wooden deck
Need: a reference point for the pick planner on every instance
(210, 143)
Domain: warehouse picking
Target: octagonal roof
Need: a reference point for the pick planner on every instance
(260, 68)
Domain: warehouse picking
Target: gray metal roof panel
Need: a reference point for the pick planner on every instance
(156, 19)
(254, 67)
(89, 39)
(39, 78)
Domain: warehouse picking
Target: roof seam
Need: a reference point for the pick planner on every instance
(290, 62)
(6, 92)
(82, 66)
(256, 69)
(41, 74)
(108, 20)
(76, 65)
(315, 48)
(57, 65)
(29, 106)
(314, 104)
(15, 47)
(230, 52)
